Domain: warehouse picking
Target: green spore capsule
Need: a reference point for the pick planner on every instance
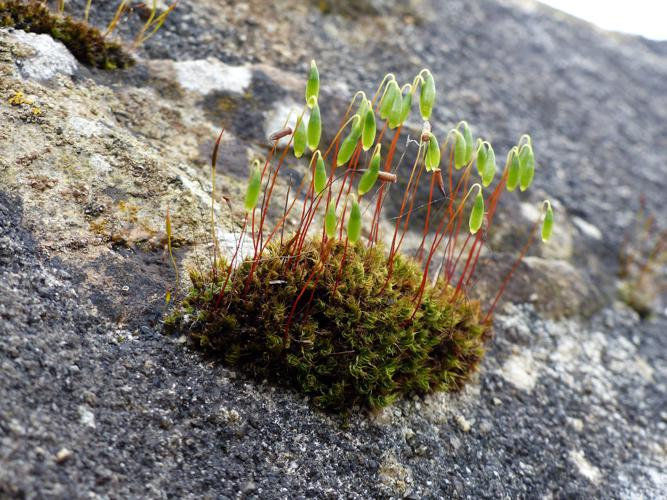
(368, 133)
(513, 174)
(300, 138)
(406, 106)
(527, 177)
(354, 223)
(432, 160)
(364, 106)
(347, 148)
(548, 224)
(320, 175)
(527, 167)
(459, 150)
(330, 221)
(489, 168)
(467, 135)
(313, 84)
(370, 177)
(526, 156)
(357, 127)
(482, 156)
(253, 188)
(427, 96)
(477, 213)
(387, 103)
(396, 111)
(314, 127)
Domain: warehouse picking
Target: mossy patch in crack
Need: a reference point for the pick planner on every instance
(85, 42)
(352, 340)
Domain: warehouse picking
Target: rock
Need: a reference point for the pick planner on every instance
(63, 455)
(86, 417)
(555, 287)
(485, 427)
(587, 470)
(206, 76)
(249, 487)
(49, 57)
(463, 424)
(394, 477)
(520, 371)
(587, 229)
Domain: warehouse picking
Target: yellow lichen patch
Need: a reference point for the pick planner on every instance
(129, 211)
(20, 99)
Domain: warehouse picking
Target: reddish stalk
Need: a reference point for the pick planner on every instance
(316, 268)
(231, 263)
(459, 285)
(439, 235)
(266, 200)
(406, 196)
(281, 222)
(492, 202)
(352, 166)
(351, 169)
(449, 247)
(300, 229)
(254, 243)
(342, 266)
(282, 229)
(420, 250)
(408, 214)
(495, 197)
(376, 213)
(501, 290)
(214, 239)
(457, 229)
(387, 168)
(310, 215)
(309, 220)
(474, 264)
(265, 203)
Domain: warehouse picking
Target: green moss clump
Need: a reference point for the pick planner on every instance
(353, 343)
(84, 41)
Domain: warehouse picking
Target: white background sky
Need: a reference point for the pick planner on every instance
(641, 17)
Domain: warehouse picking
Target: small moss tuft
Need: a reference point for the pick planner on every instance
(352, 343)
(85, 42)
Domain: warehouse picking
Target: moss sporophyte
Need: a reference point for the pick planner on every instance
(88, 44)
(332, 310)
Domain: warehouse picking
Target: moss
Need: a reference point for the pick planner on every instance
(637, 299)
(84, 41)
(353, 344)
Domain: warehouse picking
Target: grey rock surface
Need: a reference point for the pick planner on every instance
(571, 399)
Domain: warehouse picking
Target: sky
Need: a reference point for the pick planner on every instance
(641, 17)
